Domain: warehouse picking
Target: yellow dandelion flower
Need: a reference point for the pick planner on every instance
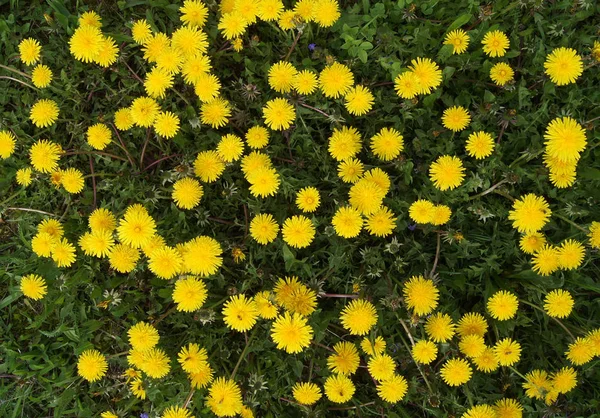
(215, 112)
(358, 100)
(351, 170)
(202, 256)
(306, 393)
(472, 323)
(594, 234)
(29, 51)
(257, 137)
(289, 19)
(507, 352)
(459, 39)
(427, 73)
(123, 119)
(558, 303)
(530, 213)
(564, 380)
(305, 82)
(108, 52)
(189, 41)
(495, 43)
(407, 85)
(503, 305)
(487, 361)
(339, 388)
(420, 295)
(298, 231)
(85, 43)
(42, 244)
(192, 358)
(187, 193)
(207, 87)
(156, 363)
(480, 145)
(44, 113)
(157, 82)
(508, 408)
(291, 333)
(480, 411)
(537, 384)
(393, 389)
(381, 366)
(422, 211)
(347, 222)
(208, 166)
(123, 258)
(546, 261)
(23, 176)
(532, 242)
(63, 253)
(366, 196)
(97, 243)
(344, 143)
(344, 359)
(224, 398)
(565, 139)
(201, 379)
(264, 228)
(371, 348)
(155, 46)
(143, 336)
(240, 313)
(456, 372)
(581, 351)
(193, 13)
(141, 32)
(265, 306)
(7, 144)
(447, 172)
(359, 316)
(335, 80)
(189, 294)
(439, 327)
(91, 365)
(232, 25)
(264, 181)
(424, 351)
(456, 118)
(387, 144)
(165, 262)
(33, 286)
(144, 111)
(279, 114)
(563, 66)
(230, 148)
(281, 76)
(41, 76)
(195, 68)
(98, 136)
(501, 73)
(381, 223)
(308, 199)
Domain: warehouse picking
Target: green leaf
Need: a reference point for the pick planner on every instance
(459, 21)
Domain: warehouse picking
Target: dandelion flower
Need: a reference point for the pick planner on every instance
(264, 182)
(537, 384)
(176, 412)
(7, 144)
(565, 139)
(305, 10)
(141, 31)
(123, 258)
(85, 43)
(298, 231)
(564, 380)
(456, 372)
(503, 305)
(530, 213)
(192, 358)
(208, 166)
(335, 80)
(44, 113)
(594, 234)
(98, 136)
(393, 389)
(344, 359)
(366, 196)
(508, 408)
(165, 262)
(495, 43)
(91, 365)
(570, 254)
(347, 222)
(344, 143)
(207, 87)
(202, 378)
(202, 256)
(381, 367)
(305, 82)
(187, 193)
(240, 313)
(224, 398)
(358, 100)
(189, 294)
(257, 137)
(501, 73)
(377, 346)
(459, 39)
(326, 12)
(23, 176)
(407, 85)
(306, 393)
(563, 66)
(532, 242)
(487, 361)
(424, 351)
(193, 13)
(144, 111)
(281, 76)
(507, 352)
(381, 223)
(581, 351)
(41, 76)
(359, 316)
(157, 82)
(447, 172)
(421, 211)
(97, 243)
(420, 295)
(189, 41)
(136, 228)
(480, 145)
(230, 148)
(108, 52)
(456, 118)
(546, 261)
(291, 333)
(387, 144)
(480, 411)
(279, 114)
(232, 25)
(427, 73)
(156, 363)
(42, 244)
(63, 253)
(195, 68)
(155, 46)
(30, 51)
(264, 228)
(123, 119)
(439, 327)
(33, 286)
(170, 60)
(308, 199)
(558, 303)
(143, 336)
(266, 308)
(351, 170)
(215, 112)
(339, 388)
(472, 323)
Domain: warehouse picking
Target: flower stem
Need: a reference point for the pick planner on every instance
(235, 369)
(556, 319)
(570, 222)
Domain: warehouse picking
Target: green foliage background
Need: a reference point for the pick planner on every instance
(39, 342)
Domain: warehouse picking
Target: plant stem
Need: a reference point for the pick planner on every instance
(144, 149)
(122, 144)
(570, 222)
(235, 369)
(189, 398)
(410, 337)
(517, 372)
(93, 180)
(491, 189)
(437, 254)
(14, 70)
(337, 295)
(296, 39)
(11, 197)
(106, 154)
(33, 210)
(160, 160)
(315, 109)
(5, 77)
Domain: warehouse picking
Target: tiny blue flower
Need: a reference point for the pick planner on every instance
(412, 227)
(311, 47)
(144, 415)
